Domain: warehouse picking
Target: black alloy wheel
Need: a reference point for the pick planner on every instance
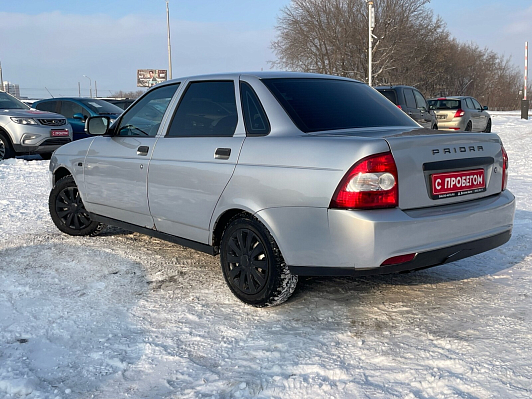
(252, 264)
(68, 212)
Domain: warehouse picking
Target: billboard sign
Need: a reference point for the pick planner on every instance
(150, 77)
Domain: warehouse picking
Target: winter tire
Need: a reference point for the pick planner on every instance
(468, 127)
(252, 264)
(488, 127)
(68, 212)
(5, 148)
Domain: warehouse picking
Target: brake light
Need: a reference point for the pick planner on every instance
(370, 184)
(442, 98)
(504, 168)
(398, 106)
(459, 113)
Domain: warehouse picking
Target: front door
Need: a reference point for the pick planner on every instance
(193, 162)
(116, 167)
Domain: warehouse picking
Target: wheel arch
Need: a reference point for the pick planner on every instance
(59, 173)
(222, 222)
(4, 133)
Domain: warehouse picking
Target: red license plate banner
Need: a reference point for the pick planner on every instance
(59, 133)
(453, 184)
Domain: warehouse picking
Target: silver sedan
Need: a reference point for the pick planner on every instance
(285, 174)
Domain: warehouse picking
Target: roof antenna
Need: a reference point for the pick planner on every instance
(49, 92)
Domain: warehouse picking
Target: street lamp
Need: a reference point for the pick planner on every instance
(90, 84)
(371, 25)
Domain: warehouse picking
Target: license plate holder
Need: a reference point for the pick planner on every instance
(59, 133)
(455, 184)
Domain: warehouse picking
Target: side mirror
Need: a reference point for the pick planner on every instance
(79, 116)
(485, 107)
(97, 125)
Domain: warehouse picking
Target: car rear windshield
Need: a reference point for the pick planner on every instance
(390, 95)
(101, 107)
(444, 104)
(9, 102)
(331, 104)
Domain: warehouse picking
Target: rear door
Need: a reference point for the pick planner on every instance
(116, 167)
(424, 114)
(193, 162)
(411, 106)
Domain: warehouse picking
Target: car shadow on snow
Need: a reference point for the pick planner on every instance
(65, 324)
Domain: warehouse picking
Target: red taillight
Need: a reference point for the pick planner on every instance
(395, 260)
(459, 113)
(398, 106)
(371, 183)
(504, 168)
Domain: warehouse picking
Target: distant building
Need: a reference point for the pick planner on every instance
(11, 88)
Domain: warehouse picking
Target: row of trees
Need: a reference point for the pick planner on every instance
(412, 47)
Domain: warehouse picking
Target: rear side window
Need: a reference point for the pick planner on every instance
(48, 106)
(390, 95)
(330, 104)
(207, 109)
(409, 98)
(469, 103)
(255, 118)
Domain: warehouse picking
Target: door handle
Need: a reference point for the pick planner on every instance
(143, 150)
(222, 153)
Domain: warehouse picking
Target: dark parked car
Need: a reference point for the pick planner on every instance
(77, 110)
(412, 102)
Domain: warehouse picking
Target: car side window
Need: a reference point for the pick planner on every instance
(409, 98)
(469, 103)
(420, 101)
(255, 118)
(69, 108)
(476, 104)
(48, 106)
(145, 117)
(207, 109)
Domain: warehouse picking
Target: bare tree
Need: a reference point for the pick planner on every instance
(412, 47)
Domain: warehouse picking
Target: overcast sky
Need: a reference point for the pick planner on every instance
(51, 44)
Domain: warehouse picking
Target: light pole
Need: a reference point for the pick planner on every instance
(371, 25)
(90, 84)
(169, 47)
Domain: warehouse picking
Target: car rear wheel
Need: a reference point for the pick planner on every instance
(434, 127)
(68, 212)
(468, 127)
(252, 264)
(488, 127)
(5, 148)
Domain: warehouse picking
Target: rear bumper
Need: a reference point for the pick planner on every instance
(353, 241)
(421, 261)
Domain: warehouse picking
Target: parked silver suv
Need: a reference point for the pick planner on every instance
(26, 131)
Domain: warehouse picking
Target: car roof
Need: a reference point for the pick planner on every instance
(259, 75)
(394, 87)
(450, 98)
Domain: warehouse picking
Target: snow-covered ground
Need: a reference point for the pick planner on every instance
(124, 315)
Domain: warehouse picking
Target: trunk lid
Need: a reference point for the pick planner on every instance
(428, 161)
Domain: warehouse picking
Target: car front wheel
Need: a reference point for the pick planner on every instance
(5, 148)
(252, 264)
(488, 127)
(68, 212)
